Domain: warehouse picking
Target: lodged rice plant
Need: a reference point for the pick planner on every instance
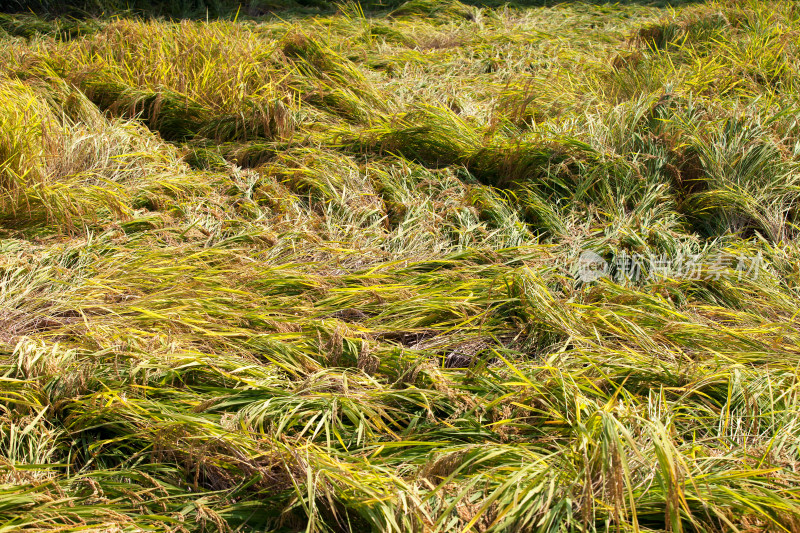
(399, 267)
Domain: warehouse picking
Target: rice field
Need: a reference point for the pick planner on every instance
(400, 267)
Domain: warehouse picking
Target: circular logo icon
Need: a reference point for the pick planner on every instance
(591, 266)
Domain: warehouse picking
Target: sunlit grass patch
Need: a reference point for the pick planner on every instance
(325, 268)
(70, 169)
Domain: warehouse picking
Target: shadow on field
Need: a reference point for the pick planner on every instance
(226, 9)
